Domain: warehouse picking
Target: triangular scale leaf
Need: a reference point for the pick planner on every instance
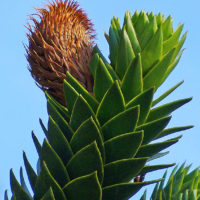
(123, 147)
(37, 144)
(32, 176)
(62, 110)
(151, 168)
(44, 182)
(168, 92)
(61, 123)
(96, 50)
(158, 155)
(85, 187)
(150, 15)
(117, 24)
(172, 41)
(124, 122)
(82, 91)
(159, 19)
(155, 76)
(132, 34)
(141, 23)
(180, 45)
(125, 54)
(111, 104)
(81, 112)
(172, 66)
(135, 17)
(70, 95)
(94, 63)
(166, 109)
(144, 100)
(122, 171)
(152, 149)
(17, 189)
(23, 183)
(148, 32)
(116, 27)
(153, 51)
(58, 141)
(102, 76)
(152, 129)
(90, 159)
(132, 83)
(173, 130)
(54, 164)
(85, 135)
(124, 190)
(167, 28)
(113, 46)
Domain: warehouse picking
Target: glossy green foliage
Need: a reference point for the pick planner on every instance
(151, 38)
(181, 185)
(101, 141)
(95, 151)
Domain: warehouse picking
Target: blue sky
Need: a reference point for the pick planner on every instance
(22, 103)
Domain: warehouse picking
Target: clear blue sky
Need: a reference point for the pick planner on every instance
(22, 103)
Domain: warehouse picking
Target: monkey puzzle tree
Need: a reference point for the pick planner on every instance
(103, 124)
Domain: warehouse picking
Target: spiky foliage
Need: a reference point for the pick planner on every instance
(181, 185)
(150, 37)
(100, 142)
(60, 40)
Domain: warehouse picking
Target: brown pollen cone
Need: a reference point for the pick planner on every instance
(60, 40)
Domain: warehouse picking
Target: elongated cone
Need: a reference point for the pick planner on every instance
(60, 40)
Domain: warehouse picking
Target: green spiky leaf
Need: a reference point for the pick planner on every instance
(58, 141)
(111, 104)
(125, 54)
(153, 129)
(132, 83)
(155, 76)
(168, 92)
(144, 100)
(17, 189)
(123, 147)
(124, 122)
(81, 112)
(151, 149)
(82, 91)
(131, 33)
(123, 190)
(85, 135)
(32, 176)
(172, 41)
(103, 81)
(166, 109)
(44, 182)
(153, 51)
(122, 171)
(54, 164)
(90, 159)
(85, 187)
(60, 122)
